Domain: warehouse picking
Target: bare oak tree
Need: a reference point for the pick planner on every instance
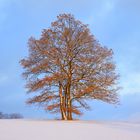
(67, 67)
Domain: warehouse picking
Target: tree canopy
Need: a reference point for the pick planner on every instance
(67, 66)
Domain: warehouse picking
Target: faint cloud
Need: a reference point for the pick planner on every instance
(135, 117)
(131, 84)
(4, 4)
(130, 4)
(3, 15)
(107, 7)
(3, 79)
(102, 9)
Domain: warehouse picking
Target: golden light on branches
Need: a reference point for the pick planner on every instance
(67, 67)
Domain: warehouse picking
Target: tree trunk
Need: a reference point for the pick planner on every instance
(65, 100)
(63, 115)
(69, 105)
(69, 109)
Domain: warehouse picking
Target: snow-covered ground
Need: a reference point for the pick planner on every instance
(72, 130)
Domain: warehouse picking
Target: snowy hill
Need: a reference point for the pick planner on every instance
(72, 130)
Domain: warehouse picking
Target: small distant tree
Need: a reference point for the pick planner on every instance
(67, 67)
(10, 116)
(1, 115)
(15, 116)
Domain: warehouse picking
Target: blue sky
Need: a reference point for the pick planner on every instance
(115, 23)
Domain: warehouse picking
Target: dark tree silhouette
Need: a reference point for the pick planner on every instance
(10, 116)
(67, 67)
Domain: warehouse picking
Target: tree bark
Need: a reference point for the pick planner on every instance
(69, 105)
(63, 115)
